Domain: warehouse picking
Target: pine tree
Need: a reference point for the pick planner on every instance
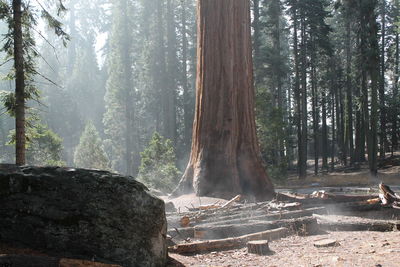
(20, 46)
(90, 152)
(44, 147)
(157, 169)
(120, 93)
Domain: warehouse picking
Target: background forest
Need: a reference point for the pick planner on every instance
(121, 94)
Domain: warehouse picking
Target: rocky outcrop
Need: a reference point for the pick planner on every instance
(84, 214)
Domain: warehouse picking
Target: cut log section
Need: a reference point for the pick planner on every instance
(185, 221)
(322, 199)
(367, 205)
(269, 217)
(301, 226)
(241, 219)
(326, 243)
(345, 224)
(378, 226)
(228, 243)
(259, 247)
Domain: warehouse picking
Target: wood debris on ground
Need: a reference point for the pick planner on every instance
(326, 242)
(235, 223)
(388, 197)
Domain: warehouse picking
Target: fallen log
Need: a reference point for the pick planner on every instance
(326, 243)
(229, 212)
(231, 216)
(188, 232)
(333, 224)
(269, 217)
(360, 226)
(303, 226)
(368, 205)
(326, 198)
(174, 219)
(228, 243)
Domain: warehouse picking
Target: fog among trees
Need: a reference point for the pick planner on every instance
(112, 84)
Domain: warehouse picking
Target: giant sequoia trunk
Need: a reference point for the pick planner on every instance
(225, 158)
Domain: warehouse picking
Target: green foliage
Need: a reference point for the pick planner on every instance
(45, 147)
(157, 169)
(30, 20)
(7, 98)
(270, 131)
(90, 151)
(30, 17)
(120, 92)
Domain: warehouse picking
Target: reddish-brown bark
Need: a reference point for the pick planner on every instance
(225, 157)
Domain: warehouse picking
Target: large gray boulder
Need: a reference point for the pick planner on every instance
(82, 214)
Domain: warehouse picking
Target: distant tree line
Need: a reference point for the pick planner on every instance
(327, 74)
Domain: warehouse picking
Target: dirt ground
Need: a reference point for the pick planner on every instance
(388, 175)
(182, 203)
(363, 249)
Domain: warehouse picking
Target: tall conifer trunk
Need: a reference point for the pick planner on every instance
(349, 96)
(304, 108)
(324, 132)
(19, 84)
(395, 82)
(382, 139)
(314, 106)
(372, 143)
(187, 119)
(297, 95)
(129, 105)
(171, 63)
(225, 158)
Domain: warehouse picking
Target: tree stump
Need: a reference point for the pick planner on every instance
(326, 243)
(259, 247)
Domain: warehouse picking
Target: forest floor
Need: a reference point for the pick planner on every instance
(363, 249)
(389, 173)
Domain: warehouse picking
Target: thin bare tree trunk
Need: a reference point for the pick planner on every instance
(225, 158)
